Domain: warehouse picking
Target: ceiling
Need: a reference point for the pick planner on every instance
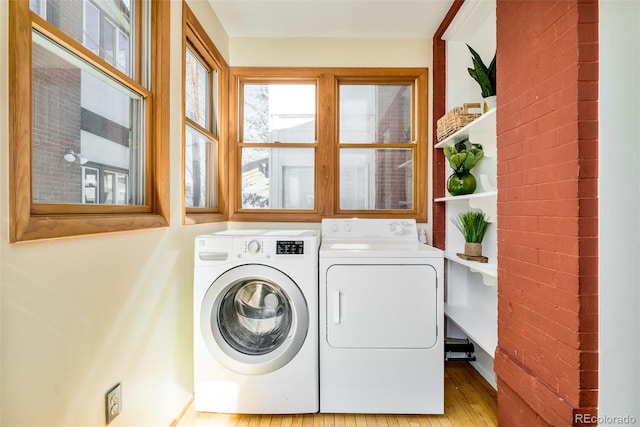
(331, 18)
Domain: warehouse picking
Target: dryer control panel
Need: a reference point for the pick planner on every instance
(358, 228)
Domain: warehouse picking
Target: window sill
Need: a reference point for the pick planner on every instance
(52, 227)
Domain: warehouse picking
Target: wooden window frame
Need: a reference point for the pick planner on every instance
(34, 221)
(195, 37)
(327, 145)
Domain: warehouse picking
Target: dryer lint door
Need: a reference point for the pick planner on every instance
(381, 306)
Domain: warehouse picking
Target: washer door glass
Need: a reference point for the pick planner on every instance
(255, 317)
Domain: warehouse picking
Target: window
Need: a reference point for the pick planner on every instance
(311, 143)
(277, 145)
(376, 146)
(87, 139)
(204, 93)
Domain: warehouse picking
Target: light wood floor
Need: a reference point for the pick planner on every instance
(468, 399)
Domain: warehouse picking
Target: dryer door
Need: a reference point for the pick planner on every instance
(381, 306)
(254, 319)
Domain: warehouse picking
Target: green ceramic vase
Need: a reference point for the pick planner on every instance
(462, 183)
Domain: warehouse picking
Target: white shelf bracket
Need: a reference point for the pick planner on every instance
(487, 279)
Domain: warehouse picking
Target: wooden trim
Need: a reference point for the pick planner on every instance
(197, 30)
(29, 221)
(232, 146)
(195, 36)
(423, 150)
(138, 69)
(77, 49)
(326, 152)
(326, 155)
(19, 118)
(160, 86)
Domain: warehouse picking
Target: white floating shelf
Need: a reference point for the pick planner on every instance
(488, 270)
(485, 123)
(480, 326)
(482, 195)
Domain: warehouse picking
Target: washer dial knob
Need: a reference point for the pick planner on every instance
(254, 247)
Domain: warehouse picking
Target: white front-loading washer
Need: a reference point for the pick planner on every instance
(256, 322)
(381, 317)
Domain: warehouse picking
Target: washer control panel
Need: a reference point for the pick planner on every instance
(257, 245)
(289, 247)
(266, 248)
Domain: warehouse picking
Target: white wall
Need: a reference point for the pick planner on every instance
(475, 24)
(330, 52)
(619, 192)
(81, 314)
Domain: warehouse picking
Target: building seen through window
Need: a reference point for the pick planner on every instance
(375, 149)
(88, 128)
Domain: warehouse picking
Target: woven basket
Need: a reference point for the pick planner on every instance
(456, 119)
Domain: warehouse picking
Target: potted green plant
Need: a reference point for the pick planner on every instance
(485, 76)
(462, 160)
(473, 226)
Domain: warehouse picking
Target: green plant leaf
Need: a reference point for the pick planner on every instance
(477, 154)
(469, 161)
(472, 224)
(491, 73)
(485, 76)
(477, 61)
(449, 151)
(463, 160)
(456, 161)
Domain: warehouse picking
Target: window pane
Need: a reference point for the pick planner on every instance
(375, 113)
(81, 20)
(123, 52)
(376, 178)
(197, 90)
(115, 189)
(278, 178)
(92, 28)
(108, 41)
(199, 173)
(90, 185)
(279, 113)
(82, 117)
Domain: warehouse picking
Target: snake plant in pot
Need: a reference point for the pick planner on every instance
(473, 226)
(485, 76)
(462, 160)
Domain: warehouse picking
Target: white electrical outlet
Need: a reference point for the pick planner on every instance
(113, 402)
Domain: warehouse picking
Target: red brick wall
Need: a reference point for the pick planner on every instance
(56, 114)
(56, 127)
(546, 362)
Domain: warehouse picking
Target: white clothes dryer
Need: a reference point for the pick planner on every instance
(256, 322)
(381, 317)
